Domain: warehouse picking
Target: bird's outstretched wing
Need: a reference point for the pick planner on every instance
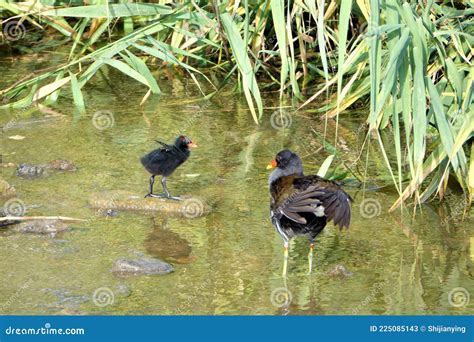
(333, 203)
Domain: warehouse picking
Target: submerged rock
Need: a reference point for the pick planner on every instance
(6, 190)
(142, 266)
(64, 299)
(38, 170)
(8, 222)
(30, 171)
(71, 312)
(110, 213)
(61, 165)
(340, 271)
(189, 207)
(123, 290)
(41, 227)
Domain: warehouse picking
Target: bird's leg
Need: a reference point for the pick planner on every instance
(167, 193)
(152, 181)
(151, 194)
(285, 258)
(310, 256)
(284, 236)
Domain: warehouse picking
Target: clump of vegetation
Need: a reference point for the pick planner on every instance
(411, 62)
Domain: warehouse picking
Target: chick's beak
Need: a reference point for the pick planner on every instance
(193, 145)
(272, 164)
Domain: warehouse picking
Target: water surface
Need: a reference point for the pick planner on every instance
(228, 262)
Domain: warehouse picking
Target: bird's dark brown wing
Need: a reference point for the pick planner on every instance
(293, 195)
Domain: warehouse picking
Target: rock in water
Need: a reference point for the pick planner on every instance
(6, 190)
(30, 171)
(340, 271)
(141, 266)
(61, 165)
(38, 170)
(189, 207)
(5, 223)
(41, 227)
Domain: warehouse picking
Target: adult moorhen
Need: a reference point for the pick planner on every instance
(164, 160)
(302, 205)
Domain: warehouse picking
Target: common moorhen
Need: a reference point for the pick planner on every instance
(164, 160)
(302, 205)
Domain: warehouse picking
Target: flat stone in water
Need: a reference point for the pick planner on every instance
(41, 227)
(141, 266)
(65, 299)
(30, 171)
(38, 170)
(189, 207)
(61, 165)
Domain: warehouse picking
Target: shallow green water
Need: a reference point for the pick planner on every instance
(229, 261)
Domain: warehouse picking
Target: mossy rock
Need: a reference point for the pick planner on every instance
(6, 190)
(188, 207)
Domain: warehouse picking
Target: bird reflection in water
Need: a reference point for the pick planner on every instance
(167, 245)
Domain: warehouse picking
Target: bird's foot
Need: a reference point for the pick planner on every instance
(155, 195)
(167, 196)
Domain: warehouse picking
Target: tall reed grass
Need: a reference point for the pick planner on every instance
(411, 60)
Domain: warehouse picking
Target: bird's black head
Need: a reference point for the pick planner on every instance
(183, 142)
(285, 163)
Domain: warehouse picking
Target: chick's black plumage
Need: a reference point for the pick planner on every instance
(302, 205)
(164, 160)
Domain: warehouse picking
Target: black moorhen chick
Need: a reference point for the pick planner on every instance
(163, 161)
(302, 205)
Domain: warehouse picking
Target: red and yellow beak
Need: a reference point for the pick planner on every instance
(272, 165)
(192, 145)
